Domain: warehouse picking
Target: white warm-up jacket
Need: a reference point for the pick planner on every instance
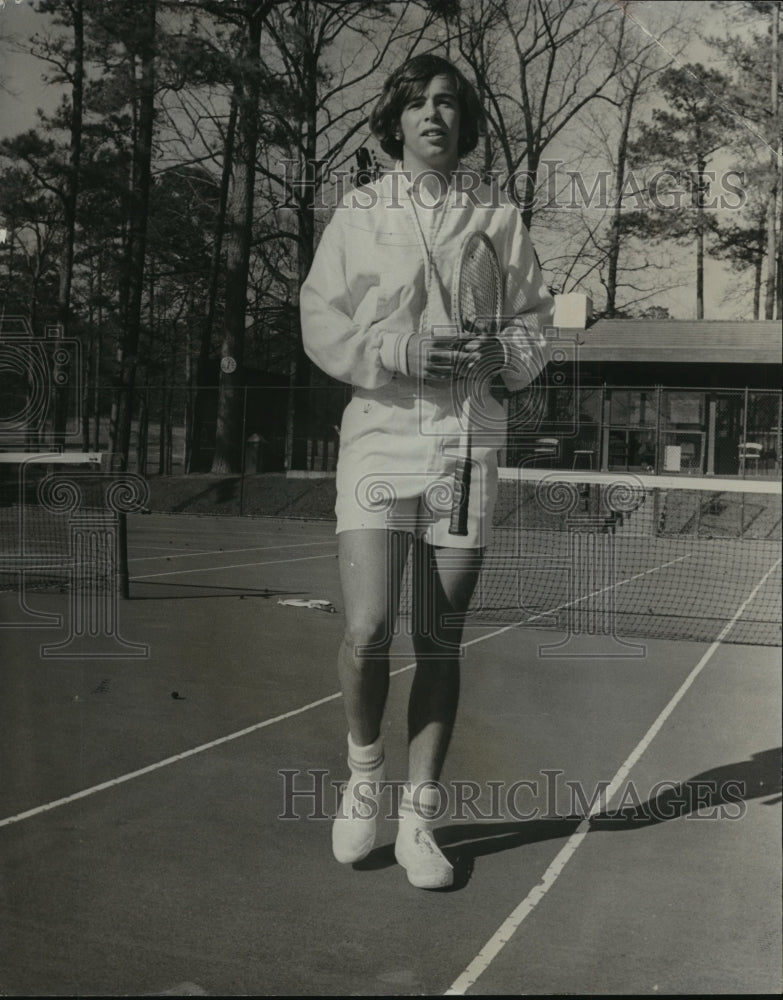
(382, 274)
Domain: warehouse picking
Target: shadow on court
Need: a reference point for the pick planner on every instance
(713, 793)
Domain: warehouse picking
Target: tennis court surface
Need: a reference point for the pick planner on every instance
(612, 797)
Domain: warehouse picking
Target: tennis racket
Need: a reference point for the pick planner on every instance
(476, 307)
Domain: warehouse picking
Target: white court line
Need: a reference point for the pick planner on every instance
(163, 548)
(242, 732)
(94, 789)
(228, 552)
(507, 929)
(122, 779)
(213, 569)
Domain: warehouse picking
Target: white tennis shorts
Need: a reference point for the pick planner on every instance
(398, 453)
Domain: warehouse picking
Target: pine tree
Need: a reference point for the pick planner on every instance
(675, 151)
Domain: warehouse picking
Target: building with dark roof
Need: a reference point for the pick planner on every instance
(677, 396)
(731, 353)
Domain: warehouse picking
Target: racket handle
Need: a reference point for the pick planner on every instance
(461, 500)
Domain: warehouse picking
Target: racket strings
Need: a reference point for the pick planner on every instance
(479, 290)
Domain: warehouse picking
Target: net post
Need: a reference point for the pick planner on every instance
(123, 572)
(242, 454)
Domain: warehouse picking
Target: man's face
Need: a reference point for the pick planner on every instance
(430, 126)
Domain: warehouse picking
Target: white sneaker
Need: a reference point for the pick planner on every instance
(417, 852)
(353, 830)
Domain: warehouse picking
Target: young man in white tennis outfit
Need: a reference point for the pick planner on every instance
(376, 313)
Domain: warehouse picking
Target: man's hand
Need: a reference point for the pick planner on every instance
(433, 358)
(445, 360)
(485, 354)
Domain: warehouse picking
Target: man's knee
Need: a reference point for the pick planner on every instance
(368, 636)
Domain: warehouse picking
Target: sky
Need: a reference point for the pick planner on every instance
(21, 75)
(25, 91)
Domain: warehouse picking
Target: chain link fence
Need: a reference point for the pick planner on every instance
(653, 429)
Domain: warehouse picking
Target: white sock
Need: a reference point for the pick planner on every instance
(368, 761)
(353, 831)
(422, 804)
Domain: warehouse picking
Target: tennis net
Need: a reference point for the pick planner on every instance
(583, 552)
(627, 555)
(56, 530)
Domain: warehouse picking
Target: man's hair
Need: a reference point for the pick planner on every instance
(409, 81)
